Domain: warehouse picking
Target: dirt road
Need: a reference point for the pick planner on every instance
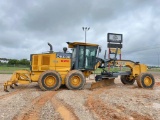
(121, 102)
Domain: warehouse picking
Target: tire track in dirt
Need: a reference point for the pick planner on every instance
(89, 101)
(75, 100)
(66, 112)
(104, 111)
(107, 111)
(32, 111)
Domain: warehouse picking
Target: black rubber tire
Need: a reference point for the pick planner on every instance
(98, 78)
(126, 81)
(138, 80)
(49, 73)
(69, 77)
(145, 77)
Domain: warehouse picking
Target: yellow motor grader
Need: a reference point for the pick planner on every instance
(53, 69)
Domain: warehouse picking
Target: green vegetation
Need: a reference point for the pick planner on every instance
(13, 65)
(10, 70)
(18, 62)
(156, 69)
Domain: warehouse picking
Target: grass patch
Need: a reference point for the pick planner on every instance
(154, 69)
(10, 70)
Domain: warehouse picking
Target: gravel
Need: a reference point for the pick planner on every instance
(77, 101)
(12, 105)
(134, 100)
(48, 112)
(119, 101)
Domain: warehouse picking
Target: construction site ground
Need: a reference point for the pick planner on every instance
(119, 102)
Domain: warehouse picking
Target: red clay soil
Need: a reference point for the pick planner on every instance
(157, 84)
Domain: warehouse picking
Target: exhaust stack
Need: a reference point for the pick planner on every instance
(51, 48)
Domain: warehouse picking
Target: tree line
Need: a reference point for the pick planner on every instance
(15, 62)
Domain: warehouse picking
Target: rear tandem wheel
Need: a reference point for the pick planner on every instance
(75, 80)
(50, 80)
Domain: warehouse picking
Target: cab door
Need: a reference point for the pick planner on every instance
(87, 57)
(81, 57)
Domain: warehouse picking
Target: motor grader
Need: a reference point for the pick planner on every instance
(53, 69)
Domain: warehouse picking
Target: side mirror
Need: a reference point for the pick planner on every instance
(105, 54)
(99, 50)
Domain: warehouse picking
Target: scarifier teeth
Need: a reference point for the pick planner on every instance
(11, 87)
(15, 84)
(6, 90)
(5, 87)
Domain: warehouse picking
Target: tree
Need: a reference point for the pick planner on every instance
(16, 62)
(24, 62)
(13, 62)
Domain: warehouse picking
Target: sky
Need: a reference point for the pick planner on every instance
(26, 26)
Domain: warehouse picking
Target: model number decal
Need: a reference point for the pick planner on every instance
(63, 55)
(64, 60)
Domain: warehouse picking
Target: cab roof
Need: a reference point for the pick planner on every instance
(73, 44)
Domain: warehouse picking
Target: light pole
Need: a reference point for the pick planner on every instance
(85, 29)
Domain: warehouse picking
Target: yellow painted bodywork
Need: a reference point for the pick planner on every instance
(39, 64)
(147, 81)
(136, 69)
(72, 45)
(43, 62)
(75, 80)
(87, 73)
(50, 81)
(113, 50)
(20, 76)
(49, 61)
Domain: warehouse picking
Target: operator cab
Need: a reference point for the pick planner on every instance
(83, 55)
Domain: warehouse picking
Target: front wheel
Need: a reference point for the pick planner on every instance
(145, 80)
(75, 80)
(125, 80)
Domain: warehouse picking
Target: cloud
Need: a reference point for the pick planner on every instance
(27, 26)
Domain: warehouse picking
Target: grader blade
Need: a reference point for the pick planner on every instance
(102, 83)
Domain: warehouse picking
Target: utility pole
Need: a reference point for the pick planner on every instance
(85, 29)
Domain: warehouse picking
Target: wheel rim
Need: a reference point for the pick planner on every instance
(50, 81)
(147, 81)
(75, 80)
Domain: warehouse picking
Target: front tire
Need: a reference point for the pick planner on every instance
(50, 80)
(75, 80)
(126, 81)
(145, 80)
